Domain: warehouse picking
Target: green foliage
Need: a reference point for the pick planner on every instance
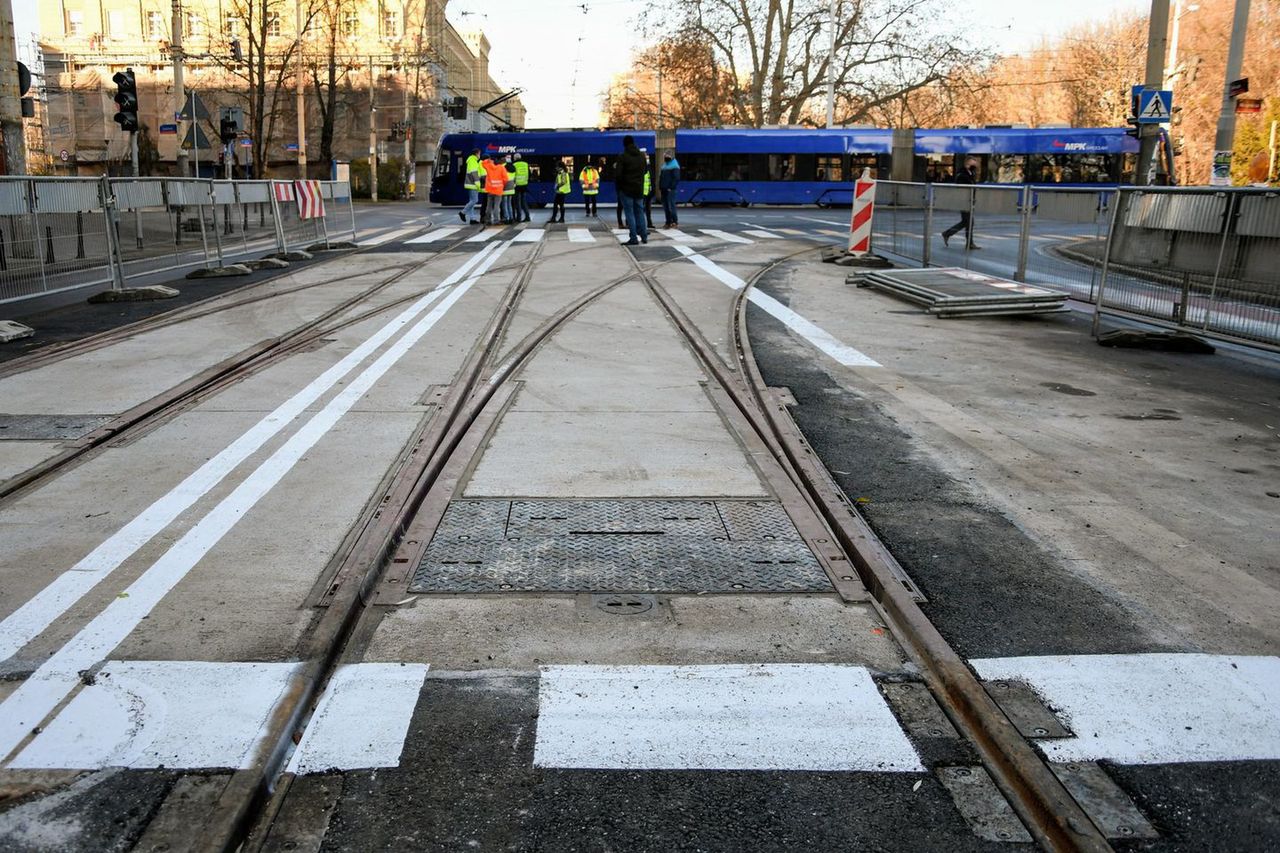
(391, 182)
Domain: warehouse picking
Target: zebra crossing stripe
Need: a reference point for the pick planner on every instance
(764, 235)
(725, 235)
(580, 235)
(530, 235)
(484, 235)
(679, 236)
(435, 236)
(388, 237)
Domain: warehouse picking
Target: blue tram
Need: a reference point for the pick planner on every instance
(799, 165)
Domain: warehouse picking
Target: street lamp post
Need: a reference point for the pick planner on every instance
(301, 92)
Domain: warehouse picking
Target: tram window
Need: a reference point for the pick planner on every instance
(1007, 168)
(858, 162)
(697, 167)
(735, 167)
(1072, 168)
(444, 162)
(830, 168)
(782, 167)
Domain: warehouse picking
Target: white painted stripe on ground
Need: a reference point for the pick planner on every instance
(729, 717)
(178, 714)
(841, 352)
(1156, 708)
(580, 235)
(794, 232)
(679, 236)
(484, 235)
(763, 235)
(531, 235)
(622, 234)
(39, 612)
(823, 221)
(388, 237)
(32, 702)
(726, 236)
(436, 235)
(362, 719)
(841, 234)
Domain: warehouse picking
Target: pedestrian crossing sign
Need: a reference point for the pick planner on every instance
(1155, 106)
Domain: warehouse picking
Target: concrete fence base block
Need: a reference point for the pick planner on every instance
(11, 331)
(331, 246)
(267, 264)
(220, 272)
(134, 294)
(1165, 341)
(865, 262)
(292, 256)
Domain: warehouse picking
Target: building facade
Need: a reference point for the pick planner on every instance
(386, 66)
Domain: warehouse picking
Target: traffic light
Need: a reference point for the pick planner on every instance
(1134, 129)
(227, 129)
(455, 107)
(236, 53)
(127, 99)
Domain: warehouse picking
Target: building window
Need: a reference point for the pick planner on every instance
(155, 26)
(231, 26)
(273, 24)
(195, 25)
(75, 24)
(350, 23)
(391, 23)
(115, 24)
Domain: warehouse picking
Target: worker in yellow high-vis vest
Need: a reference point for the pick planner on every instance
(509, 194)
(564, 184)
(522, 189)
(473, 183)
(590, 180)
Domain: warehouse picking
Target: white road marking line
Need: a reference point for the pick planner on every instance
(679, 236)
(484, 235)
(388, 237)
(841, 352)
(725, 235)
(435, 235)
(362, 719)
(39, 612)
(823, 221)
(580, 235)
(622, 234)
(794, 232)
(531, 235)
(844, 235)
(1154, 708)
(728, 717)
(763, 235)
(32, 702)
(177, 714)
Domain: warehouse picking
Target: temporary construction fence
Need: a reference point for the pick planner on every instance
(1202, 259)
(62, 234)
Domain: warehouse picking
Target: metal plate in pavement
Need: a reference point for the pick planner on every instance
(49, 427)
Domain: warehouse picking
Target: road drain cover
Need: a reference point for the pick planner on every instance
(609, 546)
(624, 605)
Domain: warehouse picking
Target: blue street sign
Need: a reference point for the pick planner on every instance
(291, 146)
(168, 128)
(1155, 106)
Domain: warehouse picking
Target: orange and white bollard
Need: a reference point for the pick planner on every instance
(864, 201)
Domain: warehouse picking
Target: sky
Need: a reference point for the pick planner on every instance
(563, 53)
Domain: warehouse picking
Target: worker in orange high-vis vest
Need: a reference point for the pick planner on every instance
(495, 182)
(590, 180)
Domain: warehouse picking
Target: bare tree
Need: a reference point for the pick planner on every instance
(777, 56)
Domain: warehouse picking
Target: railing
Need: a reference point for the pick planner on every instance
(1206, 260)
(63, 234)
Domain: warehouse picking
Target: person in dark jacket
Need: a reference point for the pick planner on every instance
(968, 175)
(668, 180)
(631, 169)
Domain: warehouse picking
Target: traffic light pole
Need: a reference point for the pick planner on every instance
(1157, 44)
(373, 135)
(137, 214)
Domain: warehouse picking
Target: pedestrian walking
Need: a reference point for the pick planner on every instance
(969, 176)
(648, 189)
(522, 189)
(632, 167)
(495, 179)
(564, 183)
(668, 180)
(473, 183)
(509, 193)
(590, 180)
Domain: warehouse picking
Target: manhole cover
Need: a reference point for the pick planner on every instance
(624, 605)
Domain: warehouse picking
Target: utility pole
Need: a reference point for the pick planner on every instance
(1157, 44)
(411, 176)
(1224, 141)
(659, 70)
(179, 86)
(301, 93)
(14, 156)
(831, 68)
(373, 135)
(1271, 163)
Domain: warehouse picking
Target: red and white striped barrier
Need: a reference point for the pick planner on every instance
(283, 190)
(310, 201)
(864, 198)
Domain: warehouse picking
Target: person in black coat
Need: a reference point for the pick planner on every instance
(967, 175)
(631, 168)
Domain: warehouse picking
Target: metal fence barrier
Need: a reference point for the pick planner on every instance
(1202, 259)
(63, 234)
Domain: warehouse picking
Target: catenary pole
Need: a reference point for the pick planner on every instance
(1224, 140)
(1157, 45)
(179, 87)
(373, 134)
(831, 67)
(301, 92)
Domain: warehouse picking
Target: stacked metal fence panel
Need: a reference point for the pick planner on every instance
(61, 234)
